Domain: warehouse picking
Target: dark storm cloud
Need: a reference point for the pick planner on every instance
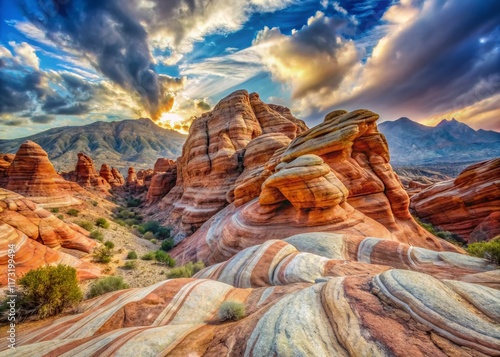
(446, 58)
(42, 119)
(109, 33)
(202, 105)
(17, 90)
(13, 122)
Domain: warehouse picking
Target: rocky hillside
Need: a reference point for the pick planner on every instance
(450, 141)
(120, 144)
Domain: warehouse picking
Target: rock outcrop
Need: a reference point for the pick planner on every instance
(38, 235)
(111, 175)
(86, 175)
(163, 165)
(374, 313)
(335, 177)
(463, 204)
(31, 174)
(5, 161)
(161, 184)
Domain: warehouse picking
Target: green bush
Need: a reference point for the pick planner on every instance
(148, 256)
(488, 250)
(446, 235)
(231, 310)
(167, 245)
(60, 216)
(164, 258)
(130, 265)
(106, 285)
(48, 290)
(86, 225)
(109, 244)
(148, 235)
(94, 203)
(185, 271)
(73, 212)
(54, 210)
(149, 226)
(132, 255)
(95, 234)
(134, 202)
(163, 233)
(102, 222)
(102, 254)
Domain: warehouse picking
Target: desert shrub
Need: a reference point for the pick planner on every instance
(60, 216)
(132, 255)
(120, 222)
(446, 235)
(149, 226)
(106, 285)
(94, 203)
(85, 225)
(163, 233)
(231, 310)
(102, 222)
(54, 210)
(73, 212)
(130, 265)
(47, 291)
(148, 235)
(95, 234)
(167, 244)
(164, 258)
(134, 202)
(185, 271)
(154, 240)
(131, 222)
(488, 250)
(148, 256)
(102, 254)
(109, 244)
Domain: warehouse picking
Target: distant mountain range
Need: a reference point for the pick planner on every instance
(136, 142)
(413, 144)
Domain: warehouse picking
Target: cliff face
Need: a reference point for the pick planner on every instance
(467, 206)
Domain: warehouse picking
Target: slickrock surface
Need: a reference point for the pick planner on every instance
(111, 175)
(32, 175)
(38, 234)
(213, 158)
(335, 177)
(462, 205)
(393, 313)
(86, 175)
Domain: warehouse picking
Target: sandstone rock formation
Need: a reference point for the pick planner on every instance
(161, 184)
(38, 235)
(335, 177)
(389, 313)
(163, 165)
(214, 155)
(5, 161)
(32, 175)
(462, 205)
(86, 175)
(111, 175)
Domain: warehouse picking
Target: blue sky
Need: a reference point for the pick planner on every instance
(72, 62)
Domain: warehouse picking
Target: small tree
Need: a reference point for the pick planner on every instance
(488, 250)
(164, 258)
(167, 244)
(48, 290)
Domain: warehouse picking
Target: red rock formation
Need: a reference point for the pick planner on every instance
(332, 178)
(131, 177)
(32, 175)
(163, 165)
(86, 175)
(37, 235)
(161, 184)
(5, 161)
(214, 155)
(461, 205)
(111, 175)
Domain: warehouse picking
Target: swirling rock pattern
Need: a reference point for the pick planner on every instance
(37, 235)
(461, 205)
(214, 156)
(393, 313)
(32, 175)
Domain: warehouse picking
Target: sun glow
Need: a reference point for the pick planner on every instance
(173, 121)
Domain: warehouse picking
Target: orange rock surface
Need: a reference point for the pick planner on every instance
(214, 155)
(5, 161)
(86, 175)
(38, 235)
(111, 175)
(463, 204)
(31, 174)
(163, 165)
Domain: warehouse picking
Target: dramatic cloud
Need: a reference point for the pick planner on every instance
(42, 119)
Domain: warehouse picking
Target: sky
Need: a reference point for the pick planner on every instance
(73, 62)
